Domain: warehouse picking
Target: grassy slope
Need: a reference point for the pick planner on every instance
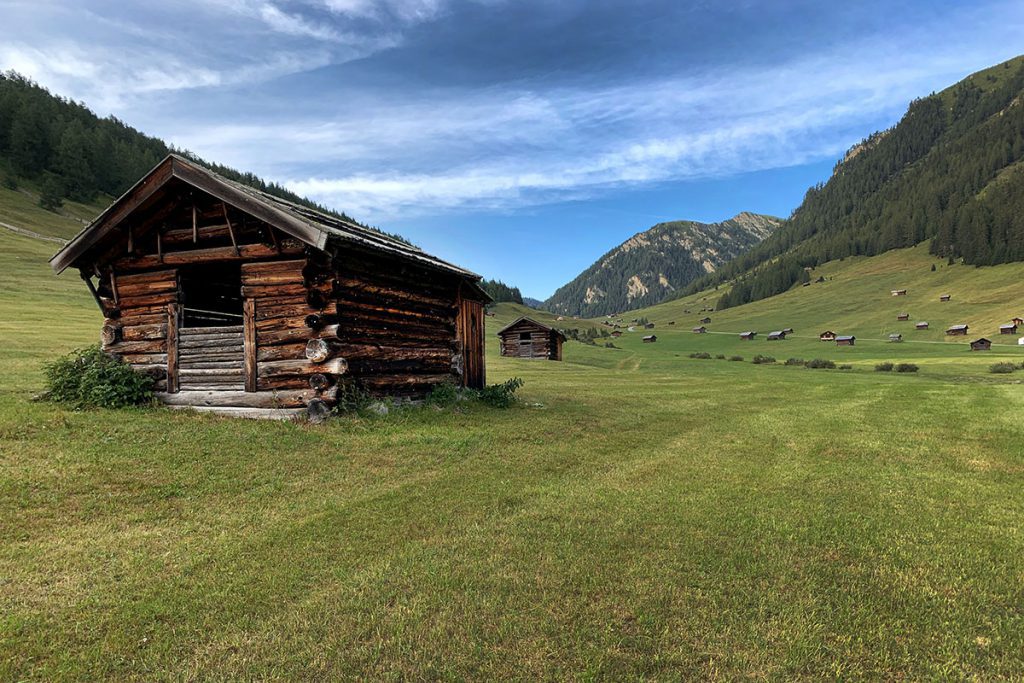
(658, 516)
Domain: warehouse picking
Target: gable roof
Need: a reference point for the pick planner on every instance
(315, 228)
(522, 319)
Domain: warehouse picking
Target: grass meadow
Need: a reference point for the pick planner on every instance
(641, 514)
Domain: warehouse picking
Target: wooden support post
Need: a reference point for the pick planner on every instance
(273, 238)
(160, 246)
(92, 289)
(231, 231)
(249, 334)
(172, 348)
(195, 224)
(113, 288)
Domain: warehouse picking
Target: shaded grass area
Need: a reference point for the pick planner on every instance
(654, 516)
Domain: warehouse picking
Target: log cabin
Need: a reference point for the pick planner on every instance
(944, 297)
(957, 330)
(903, 316)
(527, 338)
(827, 335)
(899, 292)
(650, 339)
(895, 337)
(981, 345)
(846, 340)
(921, 326)
(748, 336)
(705, 321)
(231, 298)
(1019, 322)
(1009, 328)
(700, 330)
(777, 335)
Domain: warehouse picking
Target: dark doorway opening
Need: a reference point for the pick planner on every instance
(211, 295)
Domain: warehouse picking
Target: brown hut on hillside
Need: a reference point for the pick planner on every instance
(903, 316)
(700, 330)
(944, 297)
(1009, 328)
(846, 340)
(1019, 322)
(899, 292)
(705, 321)
(650, 339)
(957, 330)
(921, 326)
(827, 335)
(527, 338)
(748, 336)
(233, 298)
(981, 345)
(777, 335)
(616, 334)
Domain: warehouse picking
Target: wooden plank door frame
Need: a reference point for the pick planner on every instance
(249, 345)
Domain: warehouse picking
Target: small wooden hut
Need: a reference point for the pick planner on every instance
(895, 337)
(899, 292)
(527, 338)
(921, 326)
(903, 316)
(1019, 322)
(944, 297)
(827, 335)
(705, 321)
(846, 340)
(747, 336)
(650, 339)
(957, 330)
(778, 335)
(1009, 328)
(981, 345)
(700, 330)
(232, 298)
(648, 326)
(787, 330)
(616, 334)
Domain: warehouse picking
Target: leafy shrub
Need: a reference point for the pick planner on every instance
(351, 396)
(10, 182)
(795, 361)
(906, 367)
(884, 367)
(821, 363)
(443, 395)
(1002, 368)
(89, 378)
(763, 360)
(738, 358)
(846, 366)
(501, 395)
(720, 356)
(700, 354)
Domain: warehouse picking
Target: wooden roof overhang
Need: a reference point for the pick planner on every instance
(316, 229)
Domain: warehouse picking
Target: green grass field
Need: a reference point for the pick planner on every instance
(641, 515)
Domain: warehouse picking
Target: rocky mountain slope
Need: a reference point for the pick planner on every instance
(652, 264)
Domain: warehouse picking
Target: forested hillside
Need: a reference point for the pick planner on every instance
(644, 269)
(951, 172)
(66, 151)
(500, 292)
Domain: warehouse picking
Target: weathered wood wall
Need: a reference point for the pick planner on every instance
(543, 343)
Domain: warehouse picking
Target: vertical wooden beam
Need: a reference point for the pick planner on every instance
(195, 224)
(160, 245)
(172, 348)
(231, 231)
(113, 288)
(92, 288)
(273, 238)
(131, 241)
(249, 336)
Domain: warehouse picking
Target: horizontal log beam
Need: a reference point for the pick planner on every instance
(245, 252)
(299, 368)
(248, 399)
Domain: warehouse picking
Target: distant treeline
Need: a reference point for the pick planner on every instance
(501, 292)
(952, 171)
(71, 153)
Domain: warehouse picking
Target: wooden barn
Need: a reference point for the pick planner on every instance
(827, 335)
(527, 338)
(1010, 328)
(1019, 322)
(748, 336)
(700, 330)
(787, 330)
(846, 340)
(705, 321)
(944, 297)
(957, 330)
(921, 326)
(232, 298)
(650, 339)
(648, 326)
(903, 316)
(895, 337)
(616, 334)
(981, 345)
(899, 292)
(778, 335)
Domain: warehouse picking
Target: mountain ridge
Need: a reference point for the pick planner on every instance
(655, 262)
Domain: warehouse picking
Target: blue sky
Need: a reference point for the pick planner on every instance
(521, 139)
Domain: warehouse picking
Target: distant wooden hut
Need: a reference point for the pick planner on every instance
(747, 335)
(787, 330)
(671, 322)
(705, 321)
(981, 345)
(1017, 321)
(957, 330)
(921, 326)
(778, 335)
(903, 316)
(650, 339)
(845, 340)
(700, 330)
(944, 297)
(895, 337)
(1009, 328)
(617, 333)
(827, 335)
(527, 338)
(899, 292)
(648, 326)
